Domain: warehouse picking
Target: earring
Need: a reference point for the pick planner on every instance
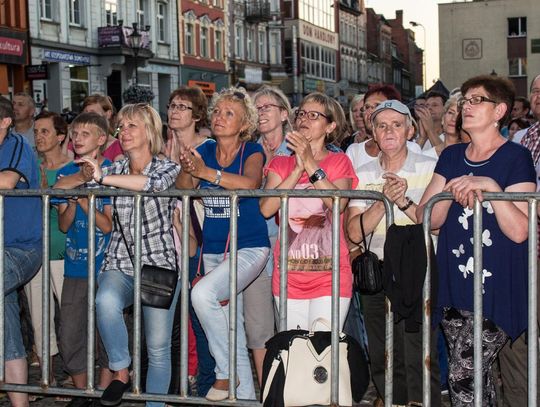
(496, 124)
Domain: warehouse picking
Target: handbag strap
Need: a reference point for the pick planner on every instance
(364, 233)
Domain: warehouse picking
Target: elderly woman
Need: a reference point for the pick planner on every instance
(402, 176)
(489, 163)
(231, 163)
(142, 170)
(356, 118)
(319, 120)
(450, 132)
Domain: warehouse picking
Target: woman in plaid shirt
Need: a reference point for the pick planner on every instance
(142, 170)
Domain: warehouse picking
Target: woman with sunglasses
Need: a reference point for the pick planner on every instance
(319, 120)
(231, 163)
(489, 163)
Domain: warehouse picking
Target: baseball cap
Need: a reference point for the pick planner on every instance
(392, 104)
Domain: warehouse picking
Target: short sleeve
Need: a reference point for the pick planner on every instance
(446, 162)
(340, 167)
(280, 165)
(522, 168)
(25, 163)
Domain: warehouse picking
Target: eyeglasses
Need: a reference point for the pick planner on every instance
(365, 108)
(180, 107)
(266, 108)
(474, 100)
(312, 115)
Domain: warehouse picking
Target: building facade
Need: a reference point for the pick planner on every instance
(352, 50)
(203, 44)
(87, 48)
(508, 45)
(256, 50)
(379, 48)
(14, 49)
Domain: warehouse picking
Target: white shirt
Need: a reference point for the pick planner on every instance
(359, 156)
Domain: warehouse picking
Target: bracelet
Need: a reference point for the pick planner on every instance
(407, 205)
(100, 180)
(218, 177)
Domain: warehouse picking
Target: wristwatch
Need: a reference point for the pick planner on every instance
(218, 177)
(318, 175)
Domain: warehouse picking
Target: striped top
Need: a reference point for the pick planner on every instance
(417, 170)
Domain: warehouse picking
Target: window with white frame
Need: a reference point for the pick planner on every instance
(204, 42)
(275, 47)
(250, 44)
(46, 9)
(239, 40)
(274, 6)
(141, 7)
(75, 12)
(517, 67)
(218, 50)
(262, 45)
(160, 21)
(111, 12)
(189, 32)
(78, 78)
(318, 62)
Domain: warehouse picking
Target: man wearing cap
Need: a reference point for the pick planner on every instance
(402, 176)
(22, 240)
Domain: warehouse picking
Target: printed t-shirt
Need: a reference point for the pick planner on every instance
(252, 231)
(310, 234)
(504, 269)
(76, 256)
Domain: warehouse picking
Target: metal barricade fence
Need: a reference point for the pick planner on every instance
(185, 195)
(532, 199)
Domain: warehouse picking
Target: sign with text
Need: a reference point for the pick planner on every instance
(12, 46)
(67, 57)
(317, 35)
(208, 88)
(36, 72)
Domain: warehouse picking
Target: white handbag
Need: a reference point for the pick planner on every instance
(308, 372)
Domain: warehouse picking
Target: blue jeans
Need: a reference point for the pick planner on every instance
(214, 318)
(115, 293)
(20, 266)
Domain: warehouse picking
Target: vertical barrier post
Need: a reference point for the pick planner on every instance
(283, 262)
(389, 322)
(91, 322)
(45, 290)
(2, 296)
(137, 308)
(426, 316)
(533, 299)
(184, 297)
(334, 355)
(478, 306)
(233, 263)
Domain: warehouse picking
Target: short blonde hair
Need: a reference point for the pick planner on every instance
(152, 122)
(281, 100)
(333, 111)
(239, 95)
(354, 101)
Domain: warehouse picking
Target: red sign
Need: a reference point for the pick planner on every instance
(11, 46)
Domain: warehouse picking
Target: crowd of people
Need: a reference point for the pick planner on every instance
(480, 138)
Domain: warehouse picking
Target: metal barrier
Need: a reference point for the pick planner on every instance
(185, 195)
(532, 199)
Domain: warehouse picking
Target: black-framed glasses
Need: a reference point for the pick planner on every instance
(474, 100)
(266, 108)
(311, 115)
(180, 107)
(366, 108)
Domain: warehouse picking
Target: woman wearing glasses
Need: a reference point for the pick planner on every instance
(489, 163)
(231, 163)
(319, 120)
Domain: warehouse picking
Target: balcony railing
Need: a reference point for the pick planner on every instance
(258, 10)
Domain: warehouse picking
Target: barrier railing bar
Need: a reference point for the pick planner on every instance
(334, 354)
(45, 290)
(283, 263)
(184, 297)
(233, 279)
(533, 300)
(426, 315)
(91, 321)
(137, 308)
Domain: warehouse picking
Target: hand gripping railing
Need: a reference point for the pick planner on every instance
(186, 196)
(532, 199)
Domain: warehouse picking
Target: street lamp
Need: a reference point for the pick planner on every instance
(135, 44)
(415, 24)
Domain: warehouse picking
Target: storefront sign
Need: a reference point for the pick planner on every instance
(117, 36)
(36, 72)
(317, 35)
(12, 47)
(67, 57)
(253, 75)
(314, 85)
(207, 87)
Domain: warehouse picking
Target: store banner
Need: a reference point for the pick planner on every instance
(12, 46)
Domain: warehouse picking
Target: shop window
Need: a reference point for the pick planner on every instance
(78, 77)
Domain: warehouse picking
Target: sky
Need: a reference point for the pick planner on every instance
(424, 12)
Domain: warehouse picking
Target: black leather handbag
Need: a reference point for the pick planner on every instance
(367, 269)
(158, 284)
